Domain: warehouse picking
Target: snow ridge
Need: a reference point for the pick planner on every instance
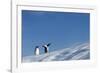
(76, 52)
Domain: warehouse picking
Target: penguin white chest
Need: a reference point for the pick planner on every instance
(37, 51)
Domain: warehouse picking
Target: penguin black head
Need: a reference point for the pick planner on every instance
(48, 44)
(37, 47)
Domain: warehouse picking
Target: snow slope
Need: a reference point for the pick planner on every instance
(76, 52)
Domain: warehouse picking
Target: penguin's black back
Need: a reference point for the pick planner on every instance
(46, 50)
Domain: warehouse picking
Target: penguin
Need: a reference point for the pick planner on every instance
(37, 50)
(46, 47)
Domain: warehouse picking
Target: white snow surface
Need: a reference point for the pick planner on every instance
(76, 52)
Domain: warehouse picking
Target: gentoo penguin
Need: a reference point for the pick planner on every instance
(46, 47)
(37, 50)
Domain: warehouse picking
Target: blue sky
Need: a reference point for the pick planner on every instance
(61, 29)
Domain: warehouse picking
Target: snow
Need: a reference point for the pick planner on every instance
(76, 52)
